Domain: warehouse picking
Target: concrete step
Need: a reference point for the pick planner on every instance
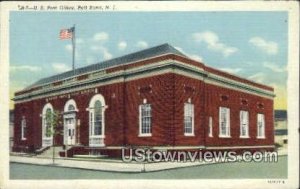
(90, 156)
(49, 152)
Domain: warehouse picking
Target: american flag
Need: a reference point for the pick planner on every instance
(66, 33)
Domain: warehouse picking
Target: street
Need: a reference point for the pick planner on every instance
(210, 171)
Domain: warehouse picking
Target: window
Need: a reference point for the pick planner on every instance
(260, 126)
(96, 116)
(23, 129)
(224, 122)
(145, 120)
(47, 122)
(47, 138)
(97, 129)
(244, 124)
(71, 107)
(188, 119)
(210, 127)
(96, 119)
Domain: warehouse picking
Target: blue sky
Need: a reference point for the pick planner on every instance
(249, 44)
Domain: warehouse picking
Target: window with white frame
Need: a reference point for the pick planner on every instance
(244, 124)
(47, 123)
(188, 119)
(145, 119)
(210, 127)
(260, 126)
(97, 107)
(96, 119)
(47, 129)
(71, 108)
(23, 129)
(224, 122)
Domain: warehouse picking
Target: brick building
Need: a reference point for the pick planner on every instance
(157, 98)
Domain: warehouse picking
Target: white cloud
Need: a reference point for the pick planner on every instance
(196, 57)
(60, 67)
(25, 68)
(142, 44)
(101, 36)
(69, 48)
(213, 43)
(122, 45)
(106, 54)
(79, 41)
(90, 60)
(95, 48)
(192, 56)
(274, 67)
(258, 77)
(279, 90)
(104, 51)
(269, 47)
(231, 70)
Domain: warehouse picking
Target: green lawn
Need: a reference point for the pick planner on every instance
(213, 171)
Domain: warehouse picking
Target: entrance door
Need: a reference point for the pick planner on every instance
(70, 126)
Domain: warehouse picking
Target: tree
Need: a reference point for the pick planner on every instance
(54, 123)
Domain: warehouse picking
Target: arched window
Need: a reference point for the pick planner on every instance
(70, 106)
(46, 125)
(48, 117)
(96, 120)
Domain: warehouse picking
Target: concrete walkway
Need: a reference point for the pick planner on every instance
(111, 165)
(103, 165)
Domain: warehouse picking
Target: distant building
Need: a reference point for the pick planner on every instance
(157, 98)
(11, 129)
(281, 130)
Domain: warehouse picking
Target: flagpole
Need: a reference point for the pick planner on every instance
(74, 45)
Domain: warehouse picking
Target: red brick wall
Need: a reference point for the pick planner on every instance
(161, 99)
(113, 116)
(213, 102)
(167, 94)
(186, 88)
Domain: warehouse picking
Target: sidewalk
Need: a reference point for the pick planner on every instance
(112, 166)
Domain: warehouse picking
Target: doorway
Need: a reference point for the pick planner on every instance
(70, 130)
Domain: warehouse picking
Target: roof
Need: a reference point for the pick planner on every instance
(133, 57)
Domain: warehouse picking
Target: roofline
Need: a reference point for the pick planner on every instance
(94, 71)
(253, 83)
(190, 71)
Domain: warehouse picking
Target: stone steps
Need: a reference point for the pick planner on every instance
(90, 156)
(49, 152)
